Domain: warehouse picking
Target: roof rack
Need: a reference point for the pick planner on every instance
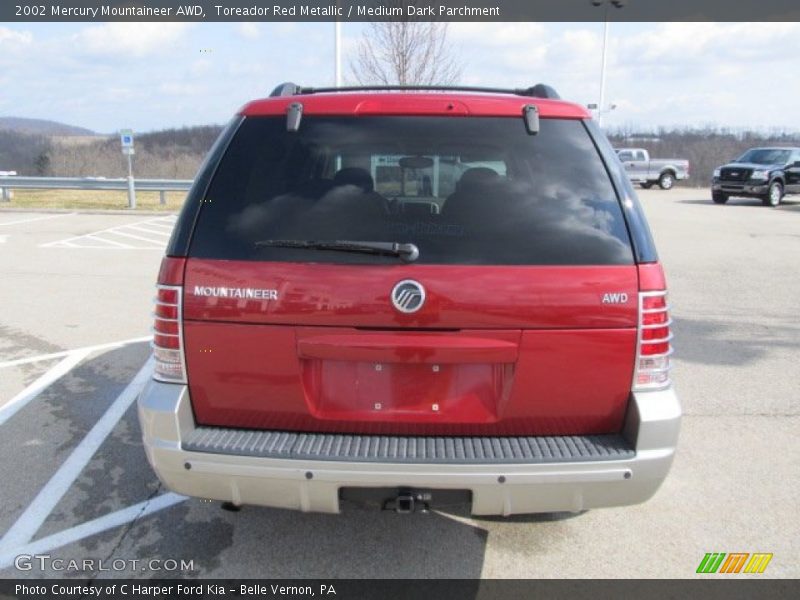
(540, 90)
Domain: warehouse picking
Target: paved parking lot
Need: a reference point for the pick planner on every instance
(75, 298)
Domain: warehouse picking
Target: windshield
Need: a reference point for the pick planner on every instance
(766, 156)
(461, 190)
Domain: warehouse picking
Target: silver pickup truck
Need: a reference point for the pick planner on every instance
(648, 171)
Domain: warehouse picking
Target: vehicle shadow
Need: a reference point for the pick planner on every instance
(724, 343)
(534, 518)
(790, 203)
(359, 542)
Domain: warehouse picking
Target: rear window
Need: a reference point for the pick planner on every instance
(463, 190)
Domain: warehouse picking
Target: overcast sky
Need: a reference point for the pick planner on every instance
(154, 75)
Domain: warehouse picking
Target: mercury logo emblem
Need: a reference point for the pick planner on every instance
(408, 296)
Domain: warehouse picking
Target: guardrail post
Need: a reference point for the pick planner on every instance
(5, 193)
(131, 189)
(131, 193)
(162, 197)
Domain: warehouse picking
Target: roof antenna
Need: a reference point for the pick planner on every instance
(541, 90)
(285, 89)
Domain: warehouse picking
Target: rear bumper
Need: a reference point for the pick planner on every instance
(651, 429)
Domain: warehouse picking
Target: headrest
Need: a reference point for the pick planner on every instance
(476, 176)
(354, 176)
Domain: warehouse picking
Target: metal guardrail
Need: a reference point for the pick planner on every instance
(91, 183)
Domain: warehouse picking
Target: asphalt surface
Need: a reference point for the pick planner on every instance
(73, 492)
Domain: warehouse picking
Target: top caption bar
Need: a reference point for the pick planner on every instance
(395, 10)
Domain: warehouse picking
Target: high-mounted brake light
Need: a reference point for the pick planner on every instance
(170, 361)
(653, 346)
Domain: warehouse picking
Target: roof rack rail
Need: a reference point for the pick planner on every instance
(540, 90)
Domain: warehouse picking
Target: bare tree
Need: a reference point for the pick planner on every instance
(405, 52)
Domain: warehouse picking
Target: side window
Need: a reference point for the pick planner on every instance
(626, 156)
(640, 155)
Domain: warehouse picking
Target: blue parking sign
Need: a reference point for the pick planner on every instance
(126, 138)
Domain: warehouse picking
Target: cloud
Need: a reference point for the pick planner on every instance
(249, 31)
(497, 34)
(658, 73)
(683, 74)
(521, 54)
(712, 43)
(135, 40)
(200, 67)
(180, 89)
(9, 38)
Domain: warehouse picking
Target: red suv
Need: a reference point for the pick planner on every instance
(412, 294)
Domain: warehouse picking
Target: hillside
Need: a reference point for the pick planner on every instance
(177, 153)
(169, 154)
(41, 127)
(22, 152)
(165, 154)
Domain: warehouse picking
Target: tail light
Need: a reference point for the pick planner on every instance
(654, 347)
(168, 350)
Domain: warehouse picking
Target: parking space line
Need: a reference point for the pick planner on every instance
(163, 232)
(107, 230)
(93, 527)
(37, 219)
(9, 409)
(124, 230)
(40, 357)
(136, 237)
(23, 530)
(165, 226)
(93, 237)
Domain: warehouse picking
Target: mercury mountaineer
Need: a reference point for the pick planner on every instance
(409, 297)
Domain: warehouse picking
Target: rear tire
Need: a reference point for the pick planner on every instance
(774, 194)
(666, 181)
(646, 185)
(719, 198)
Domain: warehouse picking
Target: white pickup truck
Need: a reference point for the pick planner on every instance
(648, 171)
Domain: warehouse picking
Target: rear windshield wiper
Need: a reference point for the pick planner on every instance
(405, 252)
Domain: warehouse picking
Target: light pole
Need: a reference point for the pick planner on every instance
(604, 4)
(603, 71)
(337, 49)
